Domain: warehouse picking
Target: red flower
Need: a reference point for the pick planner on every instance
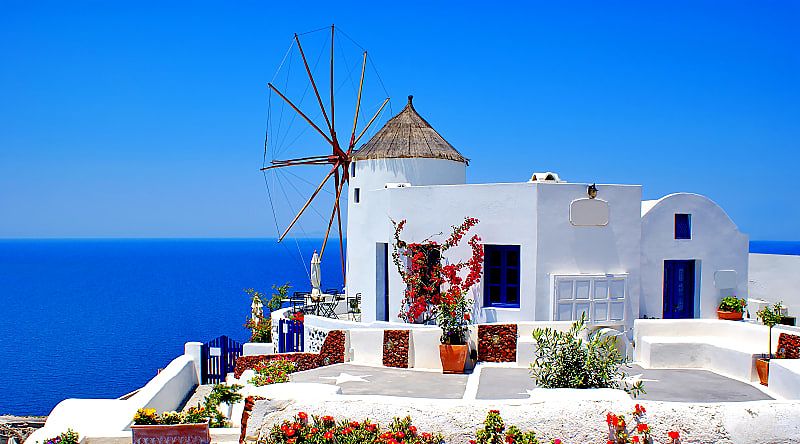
(328, 435)
(556, 441)
(635, 439)
(673, 435)
(303, 416)
(643, 428)
(400, 435)
(510, 439)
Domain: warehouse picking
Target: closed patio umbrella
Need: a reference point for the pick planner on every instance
(315, 276)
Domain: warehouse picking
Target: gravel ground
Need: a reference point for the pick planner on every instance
(753, 422)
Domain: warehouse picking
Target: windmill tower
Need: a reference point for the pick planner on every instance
(407, 151)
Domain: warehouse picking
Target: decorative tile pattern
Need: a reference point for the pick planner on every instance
(497, 343)
(395, 348)
(790, 344)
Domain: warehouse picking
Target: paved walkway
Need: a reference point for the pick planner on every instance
(361, 380)
(514, 383)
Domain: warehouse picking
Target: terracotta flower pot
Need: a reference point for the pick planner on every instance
(172, 434)
(762, 367)
(453, 357)
(730, 315)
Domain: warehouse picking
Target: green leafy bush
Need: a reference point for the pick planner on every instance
(565, 360)
(208, 411)
(273, 372)
(494, 432)
(68, 437)
(733, 304)
(771, 316)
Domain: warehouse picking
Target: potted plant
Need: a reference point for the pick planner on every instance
(189, 427)
(770, 316)
(731, 308)
(438, 292)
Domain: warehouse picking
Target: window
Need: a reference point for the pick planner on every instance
(353, 169)
(501, 276)
(601, 297)
(683, 226)
(356, 195)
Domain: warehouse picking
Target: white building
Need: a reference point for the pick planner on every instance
(552, 250)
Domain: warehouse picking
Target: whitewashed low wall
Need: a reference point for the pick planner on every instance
(107, 417)
(725, 347)
(258, 348)
(784, 378)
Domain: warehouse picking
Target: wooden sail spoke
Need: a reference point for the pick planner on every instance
(294, 107)
(308, 202)
(313, 83)
(339, 185)
(358, 101)
(355, 142)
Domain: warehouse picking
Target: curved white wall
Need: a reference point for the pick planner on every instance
(716, 244)
(373, 174)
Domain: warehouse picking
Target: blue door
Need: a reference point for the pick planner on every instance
(679, 289)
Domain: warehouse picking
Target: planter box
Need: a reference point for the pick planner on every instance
(453, 358)
(730, 315)
(171, 434)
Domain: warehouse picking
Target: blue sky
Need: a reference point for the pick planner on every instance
(143, 119)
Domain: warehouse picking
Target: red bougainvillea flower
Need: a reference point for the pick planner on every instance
(643, 428)
(635, 439)
(673, 435)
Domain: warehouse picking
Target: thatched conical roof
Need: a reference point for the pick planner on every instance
(408, 135)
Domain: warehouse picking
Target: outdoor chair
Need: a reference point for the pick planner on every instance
(327, 307)
(354, 307)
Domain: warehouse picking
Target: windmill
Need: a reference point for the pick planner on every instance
(333, 160)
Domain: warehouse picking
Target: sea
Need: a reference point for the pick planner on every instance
(99, 318)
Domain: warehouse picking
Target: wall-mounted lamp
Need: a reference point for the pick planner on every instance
(592, 191)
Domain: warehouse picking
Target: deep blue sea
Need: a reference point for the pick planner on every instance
(98, 318)
(775, 247)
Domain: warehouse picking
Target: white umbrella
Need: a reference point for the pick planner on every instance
(315, 276)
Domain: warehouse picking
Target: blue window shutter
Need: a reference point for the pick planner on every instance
(501, 276)
(683, 226)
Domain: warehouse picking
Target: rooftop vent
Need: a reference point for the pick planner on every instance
(397, 185)
(547, 176)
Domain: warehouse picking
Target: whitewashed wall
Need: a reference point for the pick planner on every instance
(716, 244)
(506, 213)
(535, 216)
(563, 248)
(775, 277)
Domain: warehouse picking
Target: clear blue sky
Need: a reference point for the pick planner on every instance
(138, 119)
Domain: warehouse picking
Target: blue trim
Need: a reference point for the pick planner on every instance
(497, 275)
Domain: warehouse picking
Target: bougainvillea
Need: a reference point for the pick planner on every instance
(437, 291)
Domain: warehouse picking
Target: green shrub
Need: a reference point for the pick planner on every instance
(733, 304)
(494, 432)
(273, 372)
(564, 360)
